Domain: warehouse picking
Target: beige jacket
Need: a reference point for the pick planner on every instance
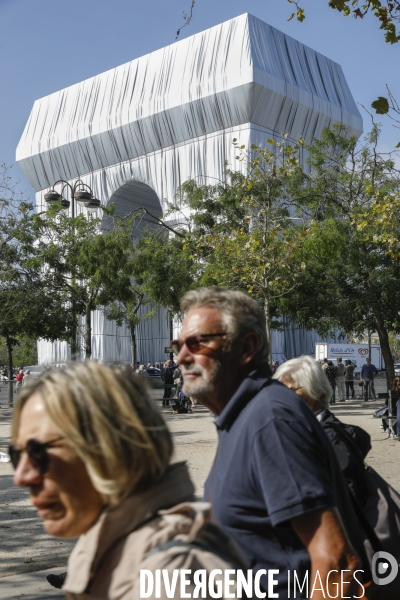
(106, 561)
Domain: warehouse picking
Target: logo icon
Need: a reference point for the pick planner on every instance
(384, 568)
(363, 351)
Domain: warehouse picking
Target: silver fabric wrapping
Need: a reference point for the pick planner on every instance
(136, 132)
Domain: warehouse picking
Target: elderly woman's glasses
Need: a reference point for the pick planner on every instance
(37, 452)
(194, 343)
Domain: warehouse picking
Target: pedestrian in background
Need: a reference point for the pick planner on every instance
(349, 379)
(18, 380)
(330, 373)
(142, 372)
(368, 373)
(340, 380)
(395, 397)
(177, 379)
(167, 375)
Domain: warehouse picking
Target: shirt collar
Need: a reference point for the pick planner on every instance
(249, 387)
(175, 487)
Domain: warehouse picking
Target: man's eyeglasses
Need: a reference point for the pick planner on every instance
(37, 452)
(194, 343)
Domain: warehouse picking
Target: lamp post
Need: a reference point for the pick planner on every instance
(81, 193)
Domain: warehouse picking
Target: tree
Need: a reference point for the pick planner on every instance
(166, 266)
(25, 352)
(27, 308)
(85, 267)
(128, 312)
(243, 232)
(16, 236)
(352, 248)
(387, 13)
(15, 242)
(127, 308)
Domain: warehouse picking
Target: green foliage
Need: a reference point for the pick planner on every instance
(84, 267)
(24, 354)
(165, 268)
(128, 306)
(351, 251)
(388, 106)
(244, 233)
(387, 13)
(381, 105)
(25, 304)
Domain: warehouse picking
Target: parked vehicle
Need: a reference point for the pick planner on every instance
(153, 372)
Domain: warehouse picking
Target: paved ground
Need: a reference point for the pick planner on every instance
(27, 554)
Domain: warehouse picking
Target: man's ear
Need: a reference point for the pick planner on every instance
(250, 344)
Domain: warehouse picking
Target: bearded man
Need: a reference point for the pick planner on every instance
(275, 485)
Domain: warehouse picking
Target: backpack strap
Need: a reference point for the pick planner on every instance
(369, 530)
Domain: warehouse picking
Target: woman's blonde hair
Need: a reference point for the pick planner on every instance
(111, 421)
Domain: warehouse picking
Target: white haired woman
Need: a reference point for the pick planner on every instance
(94, 451)
(306, 377)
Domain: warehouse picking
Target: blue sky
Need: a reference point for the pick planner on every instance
(46, 45)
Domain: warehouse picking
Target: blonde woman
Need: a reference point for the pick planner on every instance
(94, 452)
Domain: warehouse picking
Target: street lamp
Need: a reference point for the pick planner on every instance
(81, 192)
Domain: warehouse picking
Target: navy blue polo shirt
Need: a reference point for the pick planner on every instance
(274, 462)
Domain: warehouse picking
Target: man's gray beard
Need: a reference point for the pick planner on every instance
(204, 386)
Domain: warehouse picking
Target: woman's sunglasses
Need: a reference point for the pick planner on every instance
(37, 452)
(194, 343)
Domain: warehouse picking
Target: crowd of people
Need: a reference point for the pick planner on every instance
(171, 376)
(20, 377)
(284, 496)
(341, 376)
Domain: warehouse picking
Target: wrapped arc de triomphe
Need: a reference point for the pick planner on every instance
(136, 132)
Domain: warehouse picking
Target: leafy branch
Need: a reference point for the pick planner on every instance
(187, 17)
(387, 13)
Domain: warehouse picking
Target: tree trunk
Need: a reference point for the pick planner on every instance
(73, 343)
(268, 327)
(369, 343)
(385, 347)
(10, 372)
(132, 328)
(171, 335)
(88, 331)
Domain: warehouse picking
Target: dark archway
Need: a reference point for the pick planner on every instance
(132, 196)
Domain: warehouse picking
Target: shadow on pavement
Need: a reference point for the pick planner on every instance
(24, 545)
(32, 586)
